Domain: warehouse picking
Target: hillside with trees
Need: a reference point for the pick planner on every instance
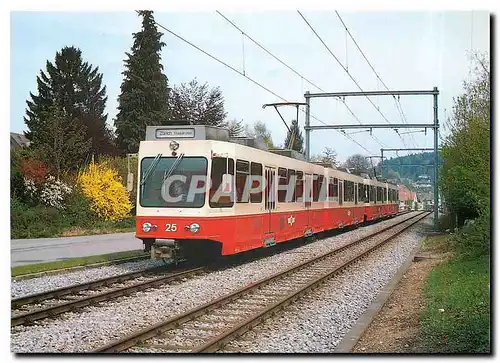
(410, 166)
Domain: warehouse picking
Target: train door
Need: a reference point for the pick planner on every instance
(341, 191)
(356, 191)
(307, 197)
(270, 196)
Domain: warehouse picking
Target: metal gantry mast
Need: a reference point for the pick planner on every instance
(434, 126)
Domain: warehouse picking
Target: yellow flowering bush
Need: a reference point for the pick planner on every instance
(107, 195)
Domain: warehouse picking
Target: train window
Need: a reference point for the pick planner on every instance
(242, 172)
(372, 194)
(256, 169)
(385, 194)
(185, 189)
(363, 193)
(348, 191)
(290, 185)
(282, 182)
(333, 191)
(299, 186)
(317, 184)
(221, 198)
(360, 192)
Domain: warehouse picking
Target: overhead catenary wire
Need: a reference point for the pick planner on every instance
(240, 73)
(398, 103)
(303, 78)
(340, 63)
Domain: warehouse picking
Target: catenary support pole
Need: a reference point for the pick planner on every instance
(308, 123)
(436, 158)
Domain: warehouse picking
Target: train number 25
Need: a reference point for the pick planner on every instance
(170, 227)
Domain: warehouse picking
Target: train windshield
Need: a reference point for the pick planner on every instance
(173, 182)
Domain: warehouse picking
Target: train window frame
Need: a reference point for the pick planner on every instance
(141, 192)
(349, 189)
(230, 170)
(333, 189)
(299, 186)
(257, 196)
(240, 162)
(290, 173)
(318, 180)
(282, 180)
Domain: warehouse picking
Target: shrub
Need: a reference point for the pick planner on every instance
(121, 165)
(78, 211)
(475, 239)
(53, 192)
(107, 195)
(35, 170)
(34, 222)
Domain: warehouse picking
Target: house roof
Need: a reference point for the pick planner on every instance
(18, 140)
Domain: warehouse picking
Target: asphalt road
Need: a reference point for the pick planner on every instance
(29, 251)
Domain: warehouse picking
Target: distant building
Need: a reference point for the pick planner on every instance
(18, 140)
(407, 198)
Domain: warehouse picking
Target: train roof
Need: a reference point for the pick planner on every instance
(179, 131)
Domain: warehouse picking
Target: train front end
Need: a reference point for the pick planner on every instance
(172, 207)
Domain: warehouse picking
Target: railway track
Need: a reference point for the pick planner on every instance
(30, 308)
(209, 327)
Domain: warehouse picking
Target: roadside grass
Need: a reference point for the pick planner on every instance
(439, 243)
(46, 223)
(100, 227)
(456, 318)
(73, 262)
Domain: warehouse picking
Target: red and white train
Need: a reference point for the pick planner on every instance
(199, 196)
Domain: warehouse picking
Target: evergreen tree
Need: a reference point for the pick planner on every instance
(143, 100)
(235, 127)
(197, 104)
(298, 140)
(65, 146)
(75, 88)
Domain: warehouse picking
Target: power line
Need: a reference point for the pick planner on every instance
(283, 63)
(340, 63)
(400, 108)
(268, 52)
(235, 70)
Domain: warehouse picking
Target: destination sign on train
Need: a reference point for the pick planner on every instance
(178, 133)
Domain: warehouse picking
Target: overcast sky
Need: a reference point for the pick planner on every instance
(409, 50)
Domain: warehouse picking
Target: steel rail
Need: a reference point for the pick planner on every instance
(222, 339)
(58, 309)
(157, 329)
(67, 290)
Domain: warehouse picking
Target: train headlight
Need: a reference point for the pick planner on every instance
(146, 227)
(174, 145)
(194, 228)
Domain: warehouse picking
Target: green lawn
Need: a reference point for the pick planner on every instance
(73, 262)
(457, 316)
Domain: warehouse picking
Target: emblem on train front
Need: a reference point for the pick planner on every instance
(291, 220)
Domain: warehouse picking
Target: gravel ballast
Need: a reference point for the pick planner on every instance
(92, 327)
(51, 282)
(318, 322)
